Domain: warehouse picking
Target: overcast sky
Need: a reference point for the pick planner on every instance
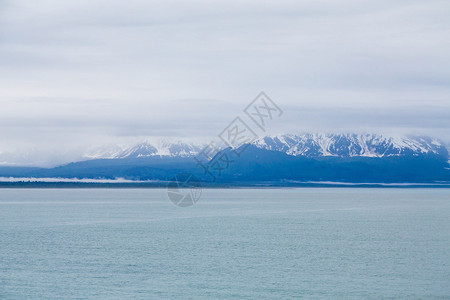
(75, 73)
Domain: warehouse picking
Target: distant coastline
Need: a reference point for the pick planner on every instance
(262, 185)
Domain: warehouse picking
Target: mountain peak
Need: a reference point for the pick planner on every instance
(146, 149)
(351, 145)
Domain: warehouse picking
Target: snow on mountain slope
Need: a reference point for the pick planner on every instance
(310, 145)
(146, 149)
(351, 145)
(107, 151)
(140, 150)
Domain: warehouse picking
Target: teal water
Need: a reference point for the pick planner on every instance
(234, 243)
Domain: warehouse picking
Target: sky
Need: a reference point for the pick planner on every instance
(78, 74)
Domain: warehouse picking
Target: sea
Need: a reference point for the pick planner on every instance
(296, 243)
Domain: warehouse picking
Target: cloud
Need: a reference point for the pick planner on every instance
(74, 73)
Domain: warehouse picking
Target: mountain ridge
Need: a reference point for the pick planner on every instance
(309, 145)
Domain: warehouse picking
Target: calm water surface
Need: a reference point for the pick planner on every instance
(235, 243)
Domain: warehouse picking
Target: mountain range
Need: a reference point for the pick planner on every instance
(281, 159)
(308, 145)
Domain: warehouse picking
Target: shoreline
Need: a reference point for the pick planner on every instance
(206, 185)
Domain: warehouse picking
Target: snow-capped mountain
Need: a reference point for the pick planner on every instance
(351, 145)
(146, 149)
(309, 145)
(161, 149)
(106, 151)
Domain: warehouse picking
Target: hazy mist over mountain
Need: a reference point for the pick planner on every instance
(78, 75)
